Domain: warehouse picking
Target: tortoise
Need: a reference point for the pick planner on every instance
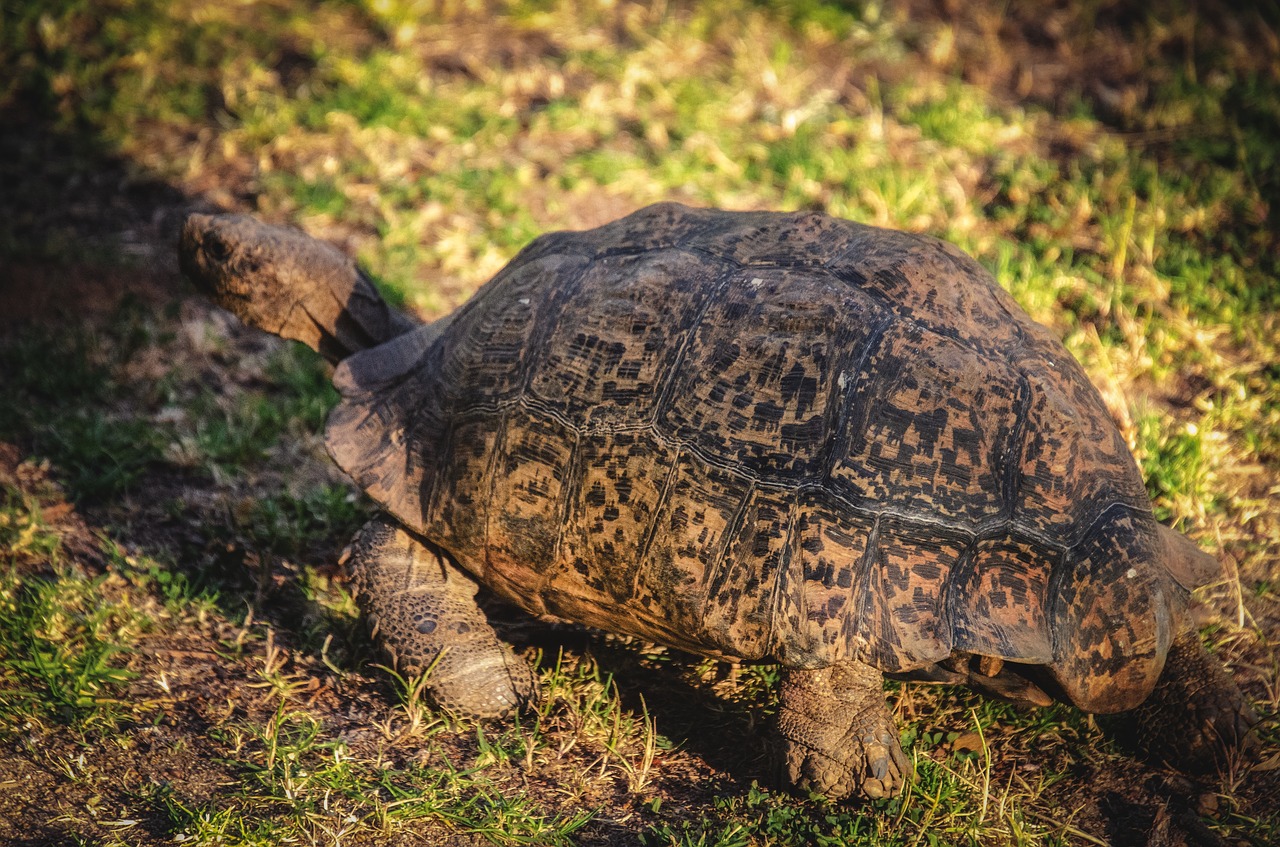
(753, 436)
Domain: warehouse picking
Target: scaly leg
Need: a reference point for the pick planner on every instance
(421, 608)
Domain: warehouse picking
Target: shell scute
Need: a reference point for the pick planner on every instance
(900, 621)
(998, 600)
(533, 471)
(763, 239)
(931, 427)
(1112, 614)
(744, 590)
(1074, 461)
(610, 354)
(486, 356)
(764, 396)
(620, 490)
(690, 533)
(458, 507)
(931, 283)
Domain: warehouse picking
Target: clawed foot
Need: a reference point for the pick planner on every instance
(840, 739)
(469, 670)
(872, 766)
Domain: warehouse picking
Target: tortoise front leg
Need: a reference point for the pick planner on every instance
(1197, 719)
(421, 608)
(840, 739)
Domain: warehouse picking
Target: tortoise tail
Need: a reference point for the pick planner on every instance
(285, 282)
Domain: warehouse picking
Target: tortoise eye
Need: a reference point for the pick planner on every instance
(217, 248)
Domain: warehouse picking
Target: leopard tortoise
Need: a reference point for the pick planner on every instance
(757, 437)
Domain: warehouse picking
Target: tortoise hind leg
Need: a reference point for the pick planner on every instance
(840, 739)
(421, 608)
(1196, 718)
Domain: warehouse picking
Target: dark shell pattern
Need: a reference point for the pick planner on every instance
(777, 437)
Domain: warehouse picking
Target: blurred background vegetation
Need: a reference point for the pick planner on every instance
(169, 524)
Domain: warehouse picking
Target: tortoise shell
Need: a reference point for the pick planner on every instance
(782, 437)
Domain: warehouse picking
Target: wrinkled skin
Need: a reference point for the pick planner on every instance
(288, 284)
(423, 611)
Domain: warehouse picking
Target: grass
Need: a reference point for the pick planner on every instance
(50, 379)
(64, 641)
(298, 783)
(170, 523)
(64, 650)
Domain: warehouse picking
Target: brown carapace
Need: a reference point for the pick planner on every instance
(754, 436)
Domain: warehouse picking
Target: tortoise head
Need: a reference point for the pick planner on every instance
(277, 279)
